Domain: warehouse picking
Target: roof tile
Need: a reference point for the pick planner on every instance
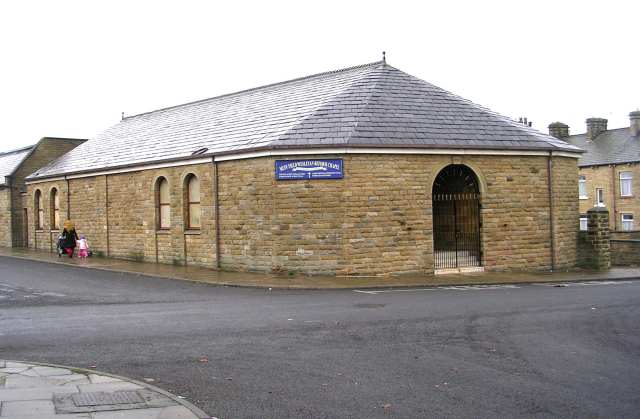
(373, 104)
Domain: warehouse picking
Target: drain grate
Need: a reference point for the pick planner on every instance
(106, 399)
(101, 401)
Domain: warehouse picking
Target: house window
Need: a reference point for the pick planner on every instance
(583, 222)
(582, 187)
(625, 183)
(627, 222)
(55, 209)
(193, 202)
(599, 197)
(163, 204)
(39, 210)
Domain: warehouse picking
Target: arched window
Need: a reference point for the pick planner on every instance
(163, 204)
(192, 215)
(39, 210)
(55, 209)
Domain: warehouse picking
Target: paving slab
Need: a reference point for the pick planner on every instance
(27, 407)
(96, 379)
(34, 390)
(21, 381)
(37, 393)
(53, 416)
(301, 281)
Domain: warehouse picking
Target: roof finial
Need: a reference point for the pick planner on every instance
(122, 116)
(384, 57)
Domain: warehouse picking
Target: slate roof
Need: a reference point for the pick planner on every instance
(372, 105)
(613, 146)
(10, 160)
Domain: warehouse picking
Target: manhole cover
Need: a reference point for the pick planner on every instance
(101, 401)
(105, 399)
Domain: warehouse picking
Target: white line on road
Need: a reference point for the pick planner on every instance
(497, 286)
(584, 283)
(453, 287)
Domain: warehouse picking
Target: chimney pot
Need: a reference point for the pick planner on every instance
(634, 123)
(595, 126)
(558, 130)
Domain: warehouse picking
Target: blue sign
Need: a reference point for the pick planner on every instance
(309, 169)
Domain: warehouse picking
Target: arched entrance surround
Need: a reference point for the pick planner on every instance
(456, 218)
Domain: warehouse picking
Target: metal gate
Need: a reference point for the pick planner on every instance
(456, 219)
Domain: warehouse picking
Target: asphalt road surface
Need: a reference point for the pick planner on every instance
(483, 352)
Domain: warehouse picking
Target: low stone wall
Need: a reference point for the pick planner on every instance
(625, 235)
(625, 252)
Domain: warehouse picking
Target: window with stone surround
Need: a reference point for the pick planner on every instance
(626, 179)
(599, 197)
(163, 204)
(39, 210)
(192, 208)
(583, 222)
(627, 222)
(55, 209)
(582, 187)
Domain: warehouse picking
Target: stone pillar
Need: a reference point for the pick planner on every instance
(598, 238)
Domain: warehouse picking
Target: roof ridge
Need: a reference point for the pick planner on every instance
(325, 73)
(17, 150)
(332, 98)
(526, 130)
(608, 130)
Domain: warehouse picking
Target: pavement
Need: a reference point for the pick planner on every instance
(543, 350)
(44, 391)
(300, 281)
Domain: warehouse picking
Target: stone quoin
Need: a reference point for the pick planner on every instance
(508, 200)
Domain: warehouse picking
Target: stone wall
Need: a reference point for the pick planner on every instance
(47, 150)
(625, 252)
(566, 221)
(377, 220)
(594, 244)
(117, 213)
(5, 217)
(608, 178)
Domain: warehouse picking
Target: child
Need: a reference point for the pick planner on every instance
(83, 247)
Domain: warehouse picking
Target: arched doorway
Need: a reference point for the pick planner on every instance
(456, 218)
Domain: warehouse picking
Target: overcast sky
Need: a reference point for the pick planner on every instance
(69, 68)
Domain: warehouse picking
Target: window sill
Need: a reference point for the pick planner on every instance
(39, 230)
(583, 197)
(163, 231)
(192, 232)
(626, 196)
(54, 230)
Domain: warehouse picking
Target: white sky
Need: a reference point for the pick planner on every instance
(68, 68)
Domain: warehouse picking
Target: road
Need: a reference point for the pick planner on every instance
(514, 352)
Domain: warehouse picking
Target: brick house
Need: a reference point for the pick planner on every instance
(15, 166)
(609, 169)
(360, 171)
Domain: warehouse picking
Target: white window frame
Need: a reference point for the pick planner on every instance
(582, 187)
(626, 177)
(583, 223)
(600, 194)
(625, 223)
